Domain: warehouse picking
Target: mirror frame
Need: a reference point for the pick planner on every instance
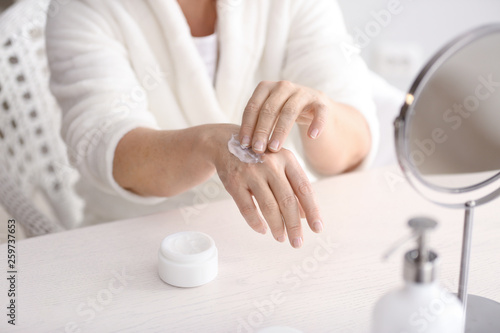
(480, 193)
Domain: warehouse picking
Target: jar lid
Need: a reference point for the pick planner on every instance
(187, 259)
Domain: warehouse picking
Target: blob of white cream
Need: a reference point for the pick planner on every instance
(246, 155)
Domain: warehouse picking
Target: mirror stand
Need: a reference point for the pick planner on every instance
(481, 314)
(466, 245)
(455, 161)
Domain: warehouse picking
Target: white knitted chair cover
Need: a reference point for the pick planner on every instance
(33, 157)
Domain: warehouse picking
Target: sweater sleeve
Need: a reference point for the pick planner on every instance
(99, 94)
(321, 55)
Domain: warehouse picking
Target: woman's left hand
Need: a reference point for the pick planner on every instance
(273, 109)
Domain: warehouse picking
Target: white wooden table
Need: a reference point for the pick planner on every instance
(104, 278)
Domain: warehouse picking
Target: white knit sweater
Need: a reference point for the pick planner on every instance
(121, 64)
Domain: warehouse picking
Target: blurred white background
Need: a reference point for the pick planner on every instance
(402, 43)
(422, 27)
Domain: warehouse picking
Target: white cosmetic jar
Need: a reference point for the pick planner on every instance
(187, 259)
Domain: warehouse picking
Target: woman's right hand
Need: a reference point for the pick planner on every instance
(278, 185)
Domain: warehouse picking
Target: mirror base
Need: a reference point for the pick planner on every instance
(483, 315)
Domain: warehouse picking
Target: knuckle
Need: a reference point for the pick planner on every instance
(303, 91)
(321, 108)
(269, 110)
(289, 201)
(290, 110)
(321, 118)
(246, 128)
(293, 229)
(270, 205)
(280, 131)
(272, 163)
(305, 188)
(321, 121)
(252, 108)
(253, 223)
(261, 133)
(283, 84)
(264, 83)
(319, 105)
(277, 229)
(248, 211)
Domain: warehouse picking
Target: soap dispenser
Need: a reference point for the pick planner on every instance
(421, 305)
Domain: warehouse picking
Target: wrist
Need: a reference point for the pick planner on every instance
(212, 141)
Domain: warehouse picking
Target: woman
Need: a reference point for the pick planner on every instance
(150, 91)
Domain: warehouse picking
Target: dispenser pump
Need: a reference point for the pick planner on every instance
(420, 264)
(421, 304)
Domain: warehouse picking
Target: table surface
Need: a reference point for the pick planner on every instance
(104, 278)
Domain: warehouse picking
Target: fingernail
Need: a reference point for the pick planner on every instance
(274, 145)
(314, 133)
(262, 231)
(318, 226)
(297, 242)
(245, 142)
(281, 238)
(259, 146)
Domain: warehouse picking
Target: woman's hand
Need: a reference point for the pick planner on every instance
(165, 163)
(279, 185)
(273, 109)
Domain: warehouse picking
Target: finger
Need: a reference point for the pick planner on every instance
(248, 210)
(270, 210)
(319, 121)
(287, 117)
(302, 213)
(268, 115)
(305, 194)
(289, 208)
(251, 113)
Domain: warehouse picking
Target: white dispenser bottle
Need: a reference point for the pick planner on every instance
(421, 305)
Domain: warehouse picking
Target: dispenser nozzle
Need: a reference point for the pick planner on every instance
(420, 263)
(420, 227)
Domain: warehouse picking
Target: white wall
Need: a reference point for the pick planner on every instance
(421, 26)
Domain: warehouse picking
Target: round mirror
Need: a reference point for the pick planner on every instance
(448, 142)
(448, 132)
